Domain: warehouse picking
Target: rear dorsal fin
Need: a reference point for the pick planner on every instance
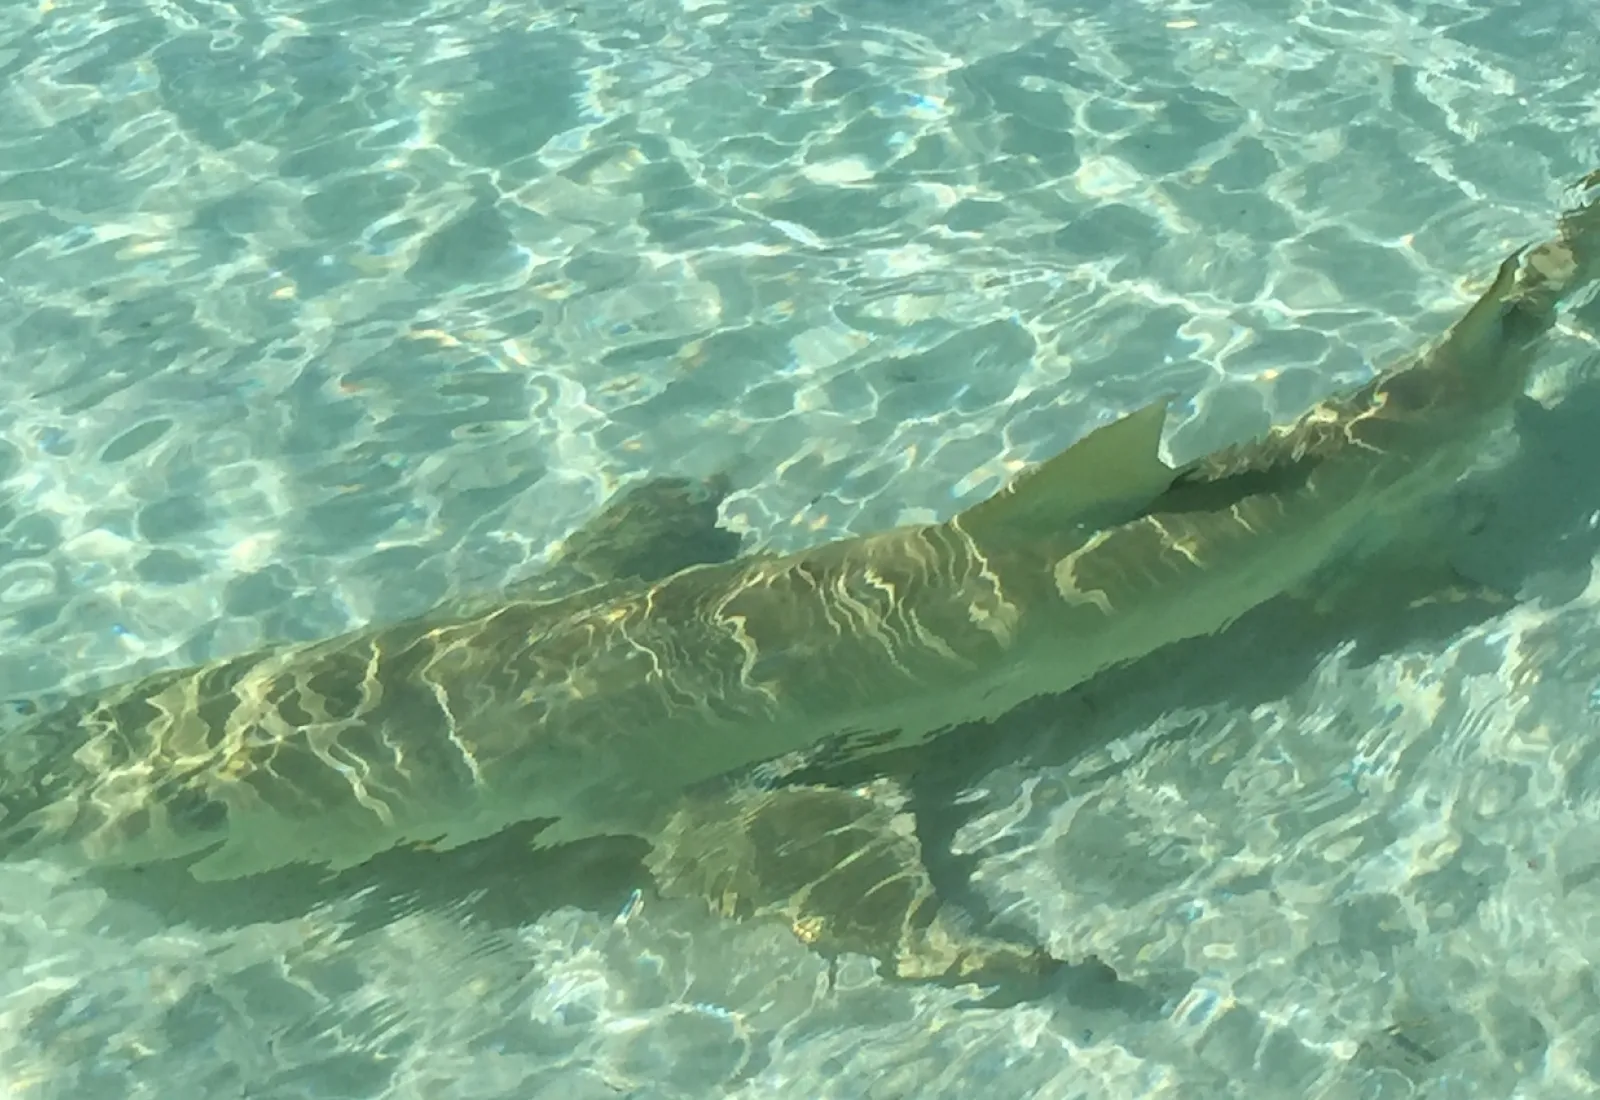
(1106, 477)
(1477, 335)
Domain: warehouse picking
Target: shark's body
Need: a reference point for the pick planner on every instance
(598, 710)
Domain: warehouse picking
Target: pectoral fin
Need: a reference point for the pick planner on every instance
(843, 868)
(1412, 570)
(1388, 584)
(1106, 477)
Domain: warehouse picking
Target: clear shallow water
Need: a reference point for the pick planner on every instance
(314, 314)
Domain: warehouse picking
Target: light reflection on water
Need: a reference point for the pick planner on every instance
(417, 285)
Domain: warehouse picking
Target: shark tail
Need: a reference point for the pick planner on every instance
(1485, 359)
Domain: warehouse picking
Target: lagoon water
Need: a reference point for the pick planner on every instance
(316, 312)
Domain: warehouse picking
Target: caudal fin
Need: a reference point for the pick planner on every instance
(1484, 360)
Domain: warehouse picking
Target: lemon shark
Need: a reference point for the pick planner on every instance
(616, 697)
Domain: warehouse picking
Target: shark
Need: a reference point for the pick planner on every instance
(617, 696)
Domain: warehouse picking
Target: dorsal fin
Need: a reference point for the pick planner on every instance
(1107, 476)
(1478, 334)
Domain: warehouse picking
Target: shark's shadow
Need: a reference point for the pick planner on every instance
(1528, 532)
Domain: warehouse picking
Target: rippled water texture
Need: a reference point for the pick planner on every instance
(315, 313)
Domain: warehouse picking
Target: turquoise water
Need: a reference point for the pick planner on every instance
(315, 314)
